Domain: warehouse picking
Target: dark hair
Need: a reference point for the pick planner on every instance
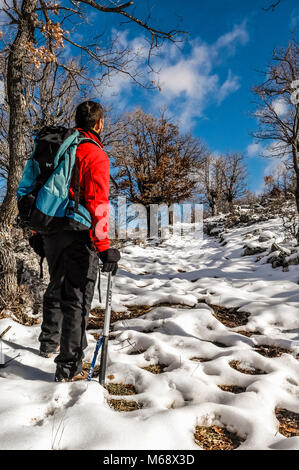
(88, 114)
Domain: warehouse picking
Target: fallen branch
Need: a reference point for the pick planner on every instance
(5, 331)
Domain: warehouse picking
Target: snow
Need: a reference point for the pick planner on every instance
(180, 273)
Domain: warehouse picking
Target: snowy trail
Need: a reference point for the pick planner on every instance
(181, 274)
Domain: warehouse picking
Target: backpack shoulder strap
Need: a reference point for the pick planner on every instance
(83, 140)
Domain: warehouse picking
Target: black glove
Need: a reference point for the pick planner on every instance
(36, 243)
(110, 259)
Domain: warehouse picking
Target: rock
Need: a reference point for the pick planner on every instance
(216, 231)
(244, 218)
(281, 256)
(251, 249)
(213, 229)
(293, 259)
(266, 236)
(275, 247)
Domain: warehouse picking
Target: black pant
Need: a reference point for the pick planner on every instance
(73, 266)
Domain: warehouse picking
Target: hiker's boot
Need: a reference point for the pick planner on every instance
(81, 376)
(47, 355)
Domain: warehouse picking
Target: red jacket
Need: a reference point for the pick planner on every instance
(93, 165)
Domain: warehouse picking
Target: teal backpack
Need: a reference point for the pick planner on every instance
(43, 193)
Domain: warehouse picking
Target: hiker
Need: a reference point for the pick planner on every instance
(73, 255)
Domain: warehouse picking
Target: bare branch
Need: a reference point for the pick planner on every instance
(156, 33)
(118, 9)
(108, 64)
(13, 19)
(272, 7)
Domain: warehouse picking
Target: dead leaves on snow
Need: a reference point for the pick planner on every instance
(271, 350)
(246, 368)
(288, 422)
(232, 388)
(230, 317)
(216, 438)
(219, 438)
(155, 368)
(122, 404)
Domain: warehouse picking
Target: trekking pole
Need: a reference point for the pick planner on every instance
(105, 335)
(101, 338)
(95, 355)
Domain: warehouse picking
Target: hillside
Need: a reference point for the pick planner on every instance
(204, 344)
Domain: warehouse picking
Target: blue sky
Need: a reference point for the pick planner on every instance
(206, 82)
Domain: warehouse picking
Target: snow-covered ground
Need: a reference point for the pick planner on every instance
(181, 273)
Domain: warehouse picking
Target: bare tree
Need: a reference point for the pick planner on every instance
(234, 176)
(281, 181)
(249, 199)
(223, 180)
(211, 186)
(35, 32)
(279, 115)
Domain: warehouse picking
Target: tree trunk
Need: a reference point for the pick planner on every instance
(17, 145)
(231, 205)
(296, 168)
(17, 112)
(297, 191)
(8, 269)
(213, 206)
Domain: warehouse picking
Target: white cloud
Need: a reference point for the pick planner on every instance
(273, 166)
(117, 88)
(231, 84)
(294, 19)
(275, 149)
(280, 107)
(255, 149)
(190, 82)
(239, 35)
(189, 74)
(178, 79)
(188, 79)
